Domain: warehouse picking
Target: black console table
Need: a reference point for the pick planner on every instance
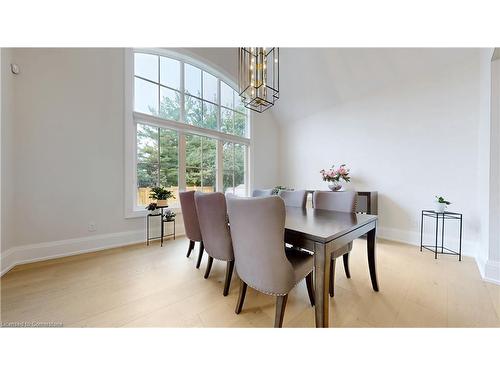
(162, 224)
(443, 216)
(366, 202)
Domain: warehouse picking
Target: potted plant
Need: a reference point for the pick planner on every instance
(441, 204)
(336, 176)
(161, 195)
(277, 189)
(153, 208)
(169, 215)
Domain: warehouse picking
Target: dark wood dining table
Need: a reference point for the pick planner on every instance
(323, 232)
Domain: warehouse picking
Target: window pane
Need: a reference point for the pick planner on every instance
(227, 180)
(209, 87)
(170, 73)
(209, 115)
(208, 180)
(192, 77)
(170, 104)
(146, 65)
(193, 179)
(239, 170)
(193, 110)
(147, 161)
(226, 123)
(193, 151)
(169, 162)
(209, 147)
(240, 122)
(226, 95)
(227, 156)
(238, 105)
(145, 97)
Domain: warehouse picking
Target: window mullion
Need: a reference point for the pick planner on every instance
(201, 164)
(182, 162)
(182, 113)
(219, 171)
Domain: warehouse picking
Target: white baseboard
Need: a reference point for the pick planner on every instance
(57, 249)
(492, 272)
(489, 270)
(469, 248)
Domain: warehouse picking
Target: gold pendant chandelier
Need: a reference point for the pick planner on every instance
(258, 77)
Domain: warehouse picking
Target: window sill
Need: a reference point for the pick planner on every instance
(143, 212)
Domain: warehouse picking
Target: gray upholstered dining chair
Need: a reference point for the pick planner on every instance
(344, 201)
(262, 192)
(212, 216)
(258, 230)
(294, 198)
(191, 224)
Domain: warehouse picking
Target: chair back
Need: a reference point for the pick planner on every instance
(190, 216)
(262, 192)
(344, 201)
(258, 230)
(212, 216)
(295, 198)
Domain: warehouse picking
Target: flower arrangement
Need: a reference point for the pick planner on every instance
(336, 176)
(341, 173)
(169, 215)
(277, 189)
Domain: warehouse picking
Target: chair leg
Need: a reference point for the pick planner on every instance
(229, 274)
(209, 266)
(190, 248)
(241, 297)
(332, 276)
(310, 289)
(345, 259)
(280, 310)
(200, 254)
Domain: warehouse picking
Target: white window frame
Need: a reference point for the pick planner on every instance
(131, 118)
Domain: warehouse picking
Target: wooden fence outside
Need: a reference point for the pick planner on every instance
(143, 194)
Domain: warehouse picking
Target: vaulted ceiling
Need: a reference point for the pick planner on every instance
(312, 79)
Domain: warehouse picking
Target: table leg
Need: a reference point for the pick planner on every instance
(162, 229)
(370, 245)
(147, 230)
(442, 236)
(436, 244)
(460, 245)
(421, 230)
(321, 279)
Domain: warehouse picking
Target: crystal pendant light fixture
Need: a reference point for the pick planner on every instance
(258, 77)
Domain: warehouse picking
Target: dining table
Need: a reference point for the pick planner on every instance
(323, 232)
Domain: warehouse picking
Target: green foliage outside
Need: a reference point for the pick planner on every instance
(157, 151)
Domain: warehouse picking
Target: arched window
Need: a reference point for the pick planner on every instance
(187, 127)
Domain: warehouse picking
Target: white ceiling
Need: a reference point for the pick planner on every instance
(312, 79)
(316, 78)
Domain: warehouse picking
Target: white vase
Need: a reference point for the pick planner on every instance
(440, 207)
(335, 186)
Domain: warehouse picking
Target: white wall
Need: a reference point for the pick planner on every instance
(6, 146)
(68, 153)
(410, 140)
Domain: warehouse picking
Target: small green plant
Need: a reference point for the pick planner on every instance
(442, 200)
(151, 207)
(276, 189)
(169, 215)
(160, 193)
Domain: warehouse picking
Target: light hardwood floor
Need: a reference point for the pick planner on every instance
(139, 286)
